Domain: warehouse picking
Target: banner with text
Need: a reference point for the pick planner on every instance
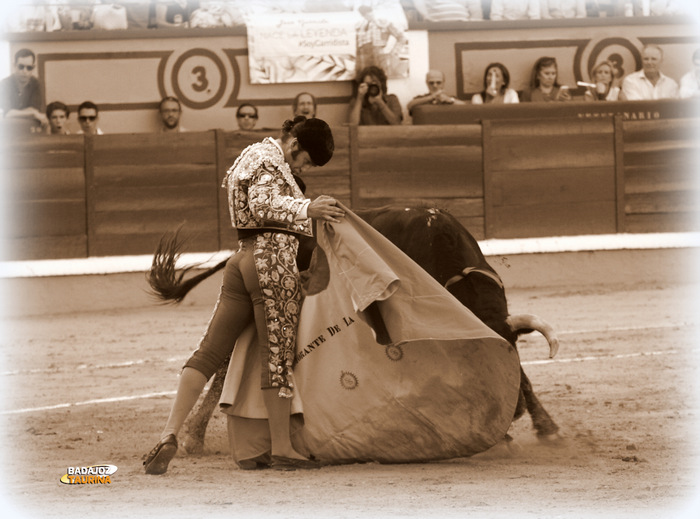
(302, 47)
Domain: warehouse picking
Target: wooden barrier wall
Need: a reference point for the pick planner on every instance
(78, 196)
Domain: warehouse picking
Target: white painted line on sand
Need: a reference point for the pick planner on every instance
(172, 393)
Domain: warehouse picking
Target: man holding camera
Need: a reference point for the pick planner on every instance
(372, 105)
(435, 80)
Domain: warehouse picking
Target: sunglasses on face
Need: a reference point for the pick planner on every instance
(247, 116)
(90, 118)
(28, 67)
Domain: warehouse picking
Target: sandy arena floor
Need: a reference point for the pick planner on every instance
(623, 390)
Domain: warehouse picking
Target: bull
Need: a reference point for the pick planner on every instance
(432, 238)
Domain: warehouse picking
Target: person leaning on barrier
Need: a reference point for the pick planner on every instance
(435, 80)
(57, 114)
(261, 284)
(20, 93)
(170, 111)
(690, 82)
(496, 91)
(544, 85)
(371, 104)
(246, 116)
(603, 86)
(649, 82)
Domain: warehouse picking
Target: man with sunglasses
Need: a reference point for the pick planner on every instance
(246, 116)
(88, 114)
(435, 80)
(21, 93)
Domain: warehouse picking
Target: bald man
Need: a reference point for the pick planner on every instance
(436, 95)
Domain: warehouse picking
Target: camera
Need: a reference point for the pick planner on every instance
(373, 90)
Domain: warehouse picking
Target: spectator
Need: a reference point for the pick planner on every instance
(304, 104)
(649, 82)
(515, 10)
(170, 111)
(449, 10)
(21, 92)
(57, 113)
(496, 91)
(174, 13)
(690, 83)
(563, 8)
(544, 86)
(246, 116)
(371, 104)
(109, 17)
(32, 17)
(88, 114)
(211, 14)
(435, 80)
(381, 38)
(603, 88)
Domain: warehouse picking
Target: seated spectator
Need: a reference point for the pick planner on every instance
(170, 111)
(20, 93)
(247, 116)
(563, 8)
(544, 86)
(662, 8)
(109, 17)
(604, 88)
(690, 83)
(496, 91)
(57, 113)
(371, 104)
(304, 104)
(435, 80)
(649, 82)
(212, 14)
(515, 10)
(88, 114)
(449, 10)
(174, 13)
(32, 18)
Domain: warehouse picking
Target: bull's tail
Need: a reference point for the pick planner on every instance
(167, 282)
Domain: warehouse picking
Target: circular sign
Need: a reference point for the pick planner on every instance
(199, 79)
(623, 55)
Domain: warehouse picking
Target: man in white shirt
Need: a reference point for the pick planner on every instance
(649, 83)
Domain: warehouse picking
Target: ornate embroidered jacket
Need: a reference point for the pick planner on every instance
(262, 192)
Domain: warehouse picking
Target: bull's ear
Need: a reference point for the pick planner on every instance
(318, 275)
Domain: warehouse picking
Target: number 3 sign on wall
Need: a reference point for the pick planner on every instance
(199, 79)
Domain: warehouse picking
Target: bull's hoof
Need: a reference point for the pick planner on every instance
(161, 455)
(551, 439)
(193, 446)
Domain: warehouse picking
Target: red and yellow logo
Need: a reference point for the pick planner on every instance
(91, 475)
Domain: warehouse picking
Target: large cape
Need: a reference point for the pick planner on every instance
(390, 367)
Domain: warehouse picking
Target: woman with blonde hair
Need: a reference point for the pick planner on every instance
(603, 87)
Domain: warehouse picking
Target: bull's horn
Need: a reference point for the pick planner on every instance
(520, 321)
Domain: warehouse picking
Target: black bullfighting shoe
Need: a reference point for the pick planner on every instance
(157, 460)
(283, 463)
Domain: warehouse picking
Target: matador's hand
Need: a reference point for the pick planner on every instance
(325, 208)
